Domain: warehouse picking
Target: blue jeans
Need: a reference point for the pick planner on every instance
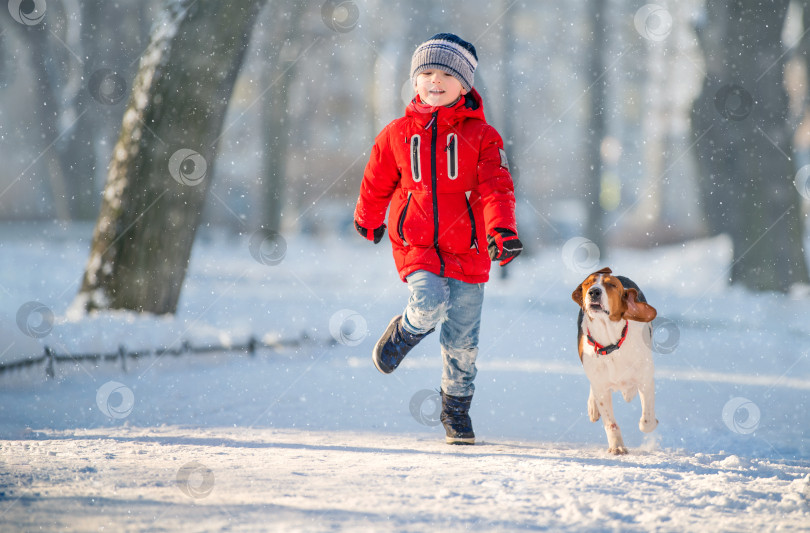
(457, 306)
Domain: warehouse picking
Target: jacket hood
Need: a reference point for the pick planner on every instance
(469, 106)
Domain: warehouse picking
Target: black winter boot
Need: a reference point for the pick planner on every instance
(456, 419)
(394, 345)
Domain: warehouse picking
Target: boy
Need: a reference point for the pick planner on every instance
(444, 172)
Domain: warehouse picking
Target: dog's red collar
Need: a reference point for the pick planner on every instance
(605, 350)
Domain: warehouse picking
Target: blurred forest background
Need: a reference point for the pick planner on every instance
(626, 123)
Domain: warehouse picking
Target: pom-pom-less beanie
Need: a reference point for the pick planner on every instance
(447, 52)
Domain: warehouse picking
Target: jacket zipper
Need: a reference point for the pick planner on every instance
(402, 220)
(415, 171)
(452, 157)
(434, 131)
(474, 240)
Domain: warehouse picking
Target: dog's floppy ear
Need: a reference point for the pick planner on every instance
(605, 270)
(638, 311)
(577, 295)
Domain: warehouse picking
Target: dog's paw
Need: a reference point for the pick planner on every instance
(618, 450)
(646, 425)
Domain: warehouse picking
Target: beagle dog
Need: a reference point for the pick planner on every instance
(615, 348)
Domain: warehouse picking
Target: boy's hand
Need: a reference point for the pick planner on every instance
(375, 235)
(503, 245)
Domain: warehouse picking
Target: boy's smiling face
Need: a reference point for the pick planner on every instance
(438, 88)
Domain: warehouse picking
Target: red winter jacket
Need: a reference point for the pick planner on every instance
(444, 172)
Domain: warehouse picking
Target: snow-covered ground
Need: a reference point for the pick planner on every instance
(311, 437)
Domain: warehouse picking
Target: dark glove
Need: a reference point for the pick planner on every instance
(375, 235)
(503, 245)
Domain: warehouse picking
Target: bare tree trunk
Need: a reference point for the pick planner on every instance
(510, 134)
(276, 129)
(511, 137)
(47, 110)
(159, 174)
(744, 144)
(596, 127)
(100, 103)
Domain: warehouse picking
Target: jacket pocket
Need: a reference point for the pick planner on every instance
(412, 221)
(401, 221)
(474, 233)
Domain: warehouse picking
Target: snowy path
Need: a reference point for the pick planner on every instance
(286, 480)
(325, 443)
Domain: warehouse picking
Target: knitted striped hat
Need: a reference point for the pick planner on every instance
(447, 52)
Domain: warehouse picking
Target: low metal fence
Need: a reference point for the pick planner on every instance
(50, 358)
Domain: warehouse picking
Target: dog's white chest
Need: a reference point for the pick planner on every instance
(624, 367)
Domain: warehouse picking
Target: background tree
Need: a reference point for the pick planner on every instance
(286, 44)
(48, 78)
(75, 102)
(744, 143)
(108, 52)
(596, 127)
(157, 180)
